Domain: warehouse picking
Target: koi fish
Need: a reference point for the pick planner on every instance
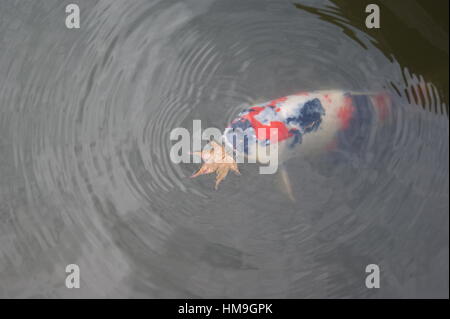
(302, 123)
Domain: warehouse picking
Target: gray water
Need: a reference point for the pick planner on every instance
(85, 174)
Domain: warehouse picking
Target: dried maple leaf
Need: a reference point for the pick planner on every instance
(216, 159)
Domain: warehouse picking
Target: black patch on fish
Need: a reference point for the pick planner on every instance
(309, 117)
(297, 137)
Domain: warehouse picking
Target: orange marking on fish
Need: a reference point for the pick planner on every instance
(381, 102)
(345, 112)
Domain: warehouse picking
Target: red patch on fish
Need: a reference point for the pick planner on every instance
(264, 133)
(381, 102)
(345, 112)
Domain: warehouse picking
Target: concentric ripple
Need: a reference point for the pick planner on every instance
(86, 178)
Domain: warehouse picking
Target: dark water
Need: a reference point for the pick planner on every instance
(85, 174)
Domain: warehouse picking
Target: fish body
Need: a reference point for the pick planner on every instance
(301, 124)
(306, 123)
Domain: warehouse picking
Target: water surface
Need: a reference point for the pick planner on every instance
(85, 174)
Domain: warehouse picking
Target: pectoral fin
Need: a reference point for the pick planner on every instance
(285, 183)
